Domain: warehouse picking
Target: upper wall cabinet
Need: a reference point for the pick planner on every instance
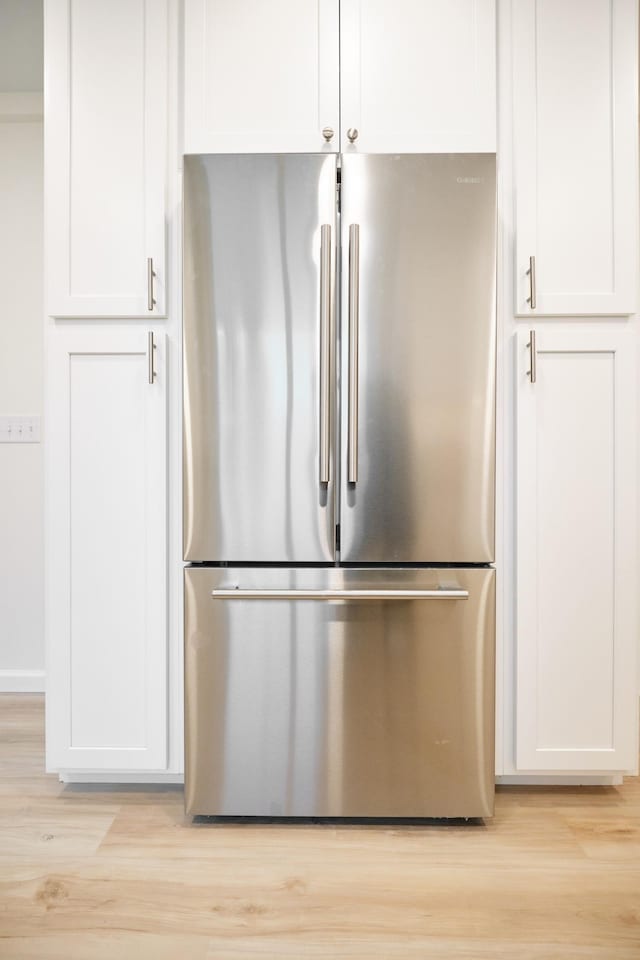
(261, 77)
(105, 157)
(575, 133)
(412, 76)
(418, 76)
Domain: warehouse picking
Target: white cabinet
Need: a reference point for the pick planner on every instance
(576, 543)
(412, 76)
(106, 551)
(261, 77)
(105, 157)
(418, 76)
(575, 138)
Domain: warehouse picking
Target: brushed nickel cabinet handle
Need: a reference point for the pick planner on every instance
(325, 350)
(531, 273)
(531, 372)
(150, 275)
(235, 593)
(354, 318)
(327, 133)
(352, 134)
(151, 358)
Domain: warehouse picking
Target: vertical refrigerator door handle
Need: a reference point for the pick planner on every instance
(354, 317)
(325, 350)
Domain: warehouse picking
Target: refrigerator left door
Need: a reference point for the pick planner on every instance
(259, 371)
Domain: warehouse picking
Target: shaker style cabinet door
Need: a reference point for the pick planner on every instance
(261, 77)
(106, 544)
(418, 76)
(105, 157)
(577, 681)
(575, 140)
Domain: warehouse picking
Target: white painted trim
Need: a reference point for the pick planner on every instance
(21, 681)
(21, 107)
(113, 779)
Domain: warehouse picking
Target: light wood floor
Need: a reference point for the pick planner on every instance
(119, 873)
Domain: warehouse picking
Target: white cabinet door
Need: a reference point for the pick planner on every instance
(105, 157)
(575, 139)
(261, 77)
(418, 76)
(576, 560)
(106, 552)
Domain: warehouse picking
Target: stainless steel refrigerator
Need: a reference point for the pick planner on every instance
(339, 448)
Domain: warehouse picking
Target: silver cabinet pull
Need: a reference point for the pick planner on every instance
(531, 273)
(327, 133)
(150, 275)
(354, 319)
(325, 350)
(151, 358)
(235, 593)
(531, 372)
(352, 134)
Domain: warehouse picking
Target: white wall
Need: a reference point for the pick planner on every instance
(21, 53)
(21, 371)
(21, 343)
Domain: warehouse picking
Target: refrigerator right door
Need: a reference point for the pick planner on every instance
(418, 358)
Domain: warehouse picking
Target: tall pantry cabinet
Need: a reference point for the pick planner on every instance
(107, 384)
(575, 175)
(131, 85)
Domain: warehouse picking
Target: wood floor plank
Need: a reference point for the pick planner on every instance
(91, 873)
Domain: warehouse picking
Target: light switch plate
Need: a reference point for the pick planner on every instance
(19, 429)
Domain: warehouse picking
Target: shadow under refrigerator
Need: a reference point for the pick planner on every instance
(339, 467)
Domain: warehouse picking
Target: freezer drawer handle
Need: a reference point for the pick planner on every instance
(325, 350)
(236, 593)
(354, 318)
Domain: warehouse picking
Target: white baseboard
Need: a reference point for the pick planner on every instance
(21, 681)
(560, 780)
(99, 776)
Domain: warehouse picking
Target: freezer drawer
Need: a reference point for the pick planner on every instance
(339, 692)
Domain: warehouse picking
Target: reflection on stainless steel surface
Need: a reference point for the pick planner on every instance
(340, 708)
(425, 490)
(252, 281)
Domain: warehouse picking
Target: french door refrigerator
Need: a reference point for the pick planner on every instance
(339, 446)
